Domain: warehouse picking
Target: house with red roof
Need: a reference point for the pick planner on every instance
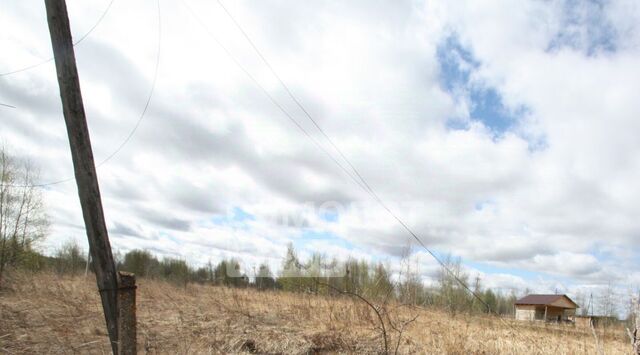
(549, 308)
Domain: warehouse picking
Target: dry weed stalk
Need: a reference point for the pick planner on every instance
(42, 313)
(599, 349)
(382, 311)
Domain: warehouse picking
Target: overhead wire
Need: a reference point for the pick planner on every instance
(364, 184)
(268, 95)
(135, 127)
(75, 43)
(148, 102)
(286, 88)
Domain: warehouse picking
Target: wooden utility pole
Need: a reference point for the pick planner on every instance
(126, 313)
(83, 164)
(86, 268)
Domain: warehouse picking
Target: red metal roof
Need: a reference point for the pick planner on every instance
(542, 299)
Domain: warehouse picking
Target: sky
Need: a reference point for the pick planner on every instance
(503, 133)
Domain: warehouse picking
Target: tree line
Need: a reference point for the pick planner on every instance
(24, 222)
(319, 275)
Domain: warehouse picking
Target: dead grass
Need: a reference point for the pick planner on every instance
(45, 313)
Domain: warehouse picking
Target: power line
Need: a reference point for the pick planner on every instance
(269, 96)
(6, 105)
(140, 118)
(364, 184)
(35, 65)
(286, 88)
(360, 181)
(146, 105)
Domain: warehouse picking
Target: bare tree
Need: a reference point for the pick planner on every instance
(581, 299)
(607, 301)
(452, 295)
(23, 220)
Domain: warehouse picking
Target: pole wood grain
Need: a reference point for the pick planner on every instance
(83, 163)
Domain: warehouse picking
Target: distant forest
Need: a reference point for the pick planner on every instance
(320, 275)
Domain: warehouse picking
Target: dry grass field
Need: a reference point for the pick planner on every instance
(45, 313)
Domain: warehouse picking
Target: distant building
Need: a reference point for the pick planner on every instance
(550, 308)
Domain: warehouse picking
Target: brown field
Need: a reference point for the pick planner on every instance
(45, 313)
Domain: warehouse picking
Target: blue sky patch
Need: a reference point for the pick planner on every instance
(457, 65)
(490, 269)
(585, 27)
(325, 236)
(236, 217)
(330, 216)
(487, 107)
(485, 203)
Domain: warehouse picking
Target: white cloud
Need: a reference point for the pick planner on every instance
(370, 75)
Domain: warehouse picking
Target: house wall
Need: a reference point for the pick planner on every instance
(563, 302)
(553, 313)
(533, 312)
(525, 312)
